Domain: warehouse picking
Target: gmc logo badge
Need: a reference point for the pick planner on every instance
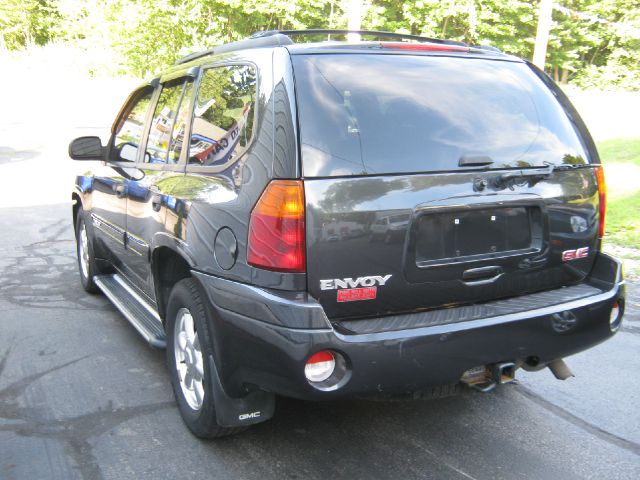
(568, 255)
(247, 416)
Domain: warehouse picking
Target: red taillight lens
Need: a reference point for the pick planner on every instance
(276, 230)
(602, 197)
(433, 47)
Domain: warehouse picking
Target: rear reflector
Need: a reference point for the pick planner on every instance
(433, 47)
(602, 197)
(276, 230)
(320, 366)
(615, 317)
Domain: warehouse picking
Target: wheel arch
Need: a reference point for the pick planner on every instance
(76, 204)
(168, 267)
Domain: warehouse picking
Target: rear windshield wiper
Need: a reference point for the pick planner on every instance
(533, 175)
(539, 173)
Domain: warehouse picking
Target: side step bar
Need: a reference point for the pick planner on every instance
(141, 315)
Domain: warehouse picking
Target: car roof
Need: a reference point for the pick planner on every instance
(405, 45)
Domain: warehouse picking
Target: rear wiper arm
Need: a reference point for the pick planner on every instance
(533, 176)
(543, 171)
(566, 166)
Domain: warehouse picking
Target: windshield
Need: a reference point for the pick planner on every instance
(368, 114)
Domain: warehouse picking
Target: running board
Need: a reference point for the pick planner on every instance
(140, 314)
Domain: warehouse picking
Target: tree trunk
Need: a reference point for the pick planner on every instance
(542, 34)
(444, 26)
(354, 19)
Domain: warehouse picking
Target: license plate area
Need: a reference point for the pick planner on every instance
(461, 235)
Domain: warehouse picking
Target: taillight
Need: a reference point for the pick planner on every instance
(602, 198)
(433, 47)
(276, 230)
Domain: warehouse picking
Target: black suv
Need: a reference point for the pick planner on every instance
(347, 218)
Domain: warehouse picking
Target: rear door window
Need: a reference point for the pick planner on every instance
(223, 116)
(368, 114)
(169, 121)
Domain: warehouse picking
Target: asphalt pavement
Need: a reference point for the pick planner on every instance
(82, 396)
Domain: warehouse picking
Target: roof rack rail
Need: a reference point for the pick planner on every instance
(271, 38)
(372, 33)
(489, 48)
(257, 42)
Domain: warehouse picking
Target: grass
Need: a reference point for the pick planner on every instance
(623, 204)
(623, 220)
(620, 150)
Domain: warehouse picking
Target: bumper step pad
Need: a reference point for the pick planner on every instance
(467, 313)
(138, 312)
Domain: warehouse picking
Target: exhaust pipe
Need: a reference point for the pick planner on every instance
(560, 369)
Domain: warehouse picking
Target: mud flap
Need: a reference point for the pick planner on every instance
(258, 406)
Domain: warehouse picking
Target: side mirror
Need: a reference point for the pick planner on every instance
(86, 148)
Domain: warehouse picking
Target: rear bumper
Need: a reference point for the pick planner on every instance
(263, 338)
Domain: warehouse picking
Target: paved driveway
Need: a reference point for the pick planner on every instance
(83, 396)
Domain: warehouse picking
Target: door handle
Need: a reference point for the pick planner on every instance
(156, 202)
(482, 276)
(120, 190)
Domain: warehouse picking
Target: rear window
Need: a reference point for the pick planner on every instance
(375, 114)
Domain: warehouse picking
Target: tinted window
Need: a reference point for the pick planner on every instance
(131, 127)
(179, 128)
(223, 118)
(371, 114)
(167, 126)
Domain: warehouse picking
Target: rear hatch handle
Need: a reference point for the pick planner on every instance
(482, 275)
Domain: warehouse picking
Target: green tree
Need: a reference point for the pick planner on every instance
(27, 22)
(593, 43)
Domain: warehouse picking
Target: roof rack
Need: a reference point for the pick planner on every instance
(272, 38)
(370, 33)
(266, 41)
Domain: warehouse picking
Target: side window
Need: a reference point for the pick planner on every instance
(168, 124)
(224, 115)
(182, 119)
(131, 127)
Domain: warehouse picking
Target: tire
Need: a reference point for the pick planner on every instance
(189, 344)
(86, 259)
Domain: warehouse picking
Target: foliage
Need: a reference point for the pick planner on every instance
(24, 22)
(593, 43)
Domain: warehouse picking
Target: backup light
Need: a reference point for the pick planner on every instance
(320, 366)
